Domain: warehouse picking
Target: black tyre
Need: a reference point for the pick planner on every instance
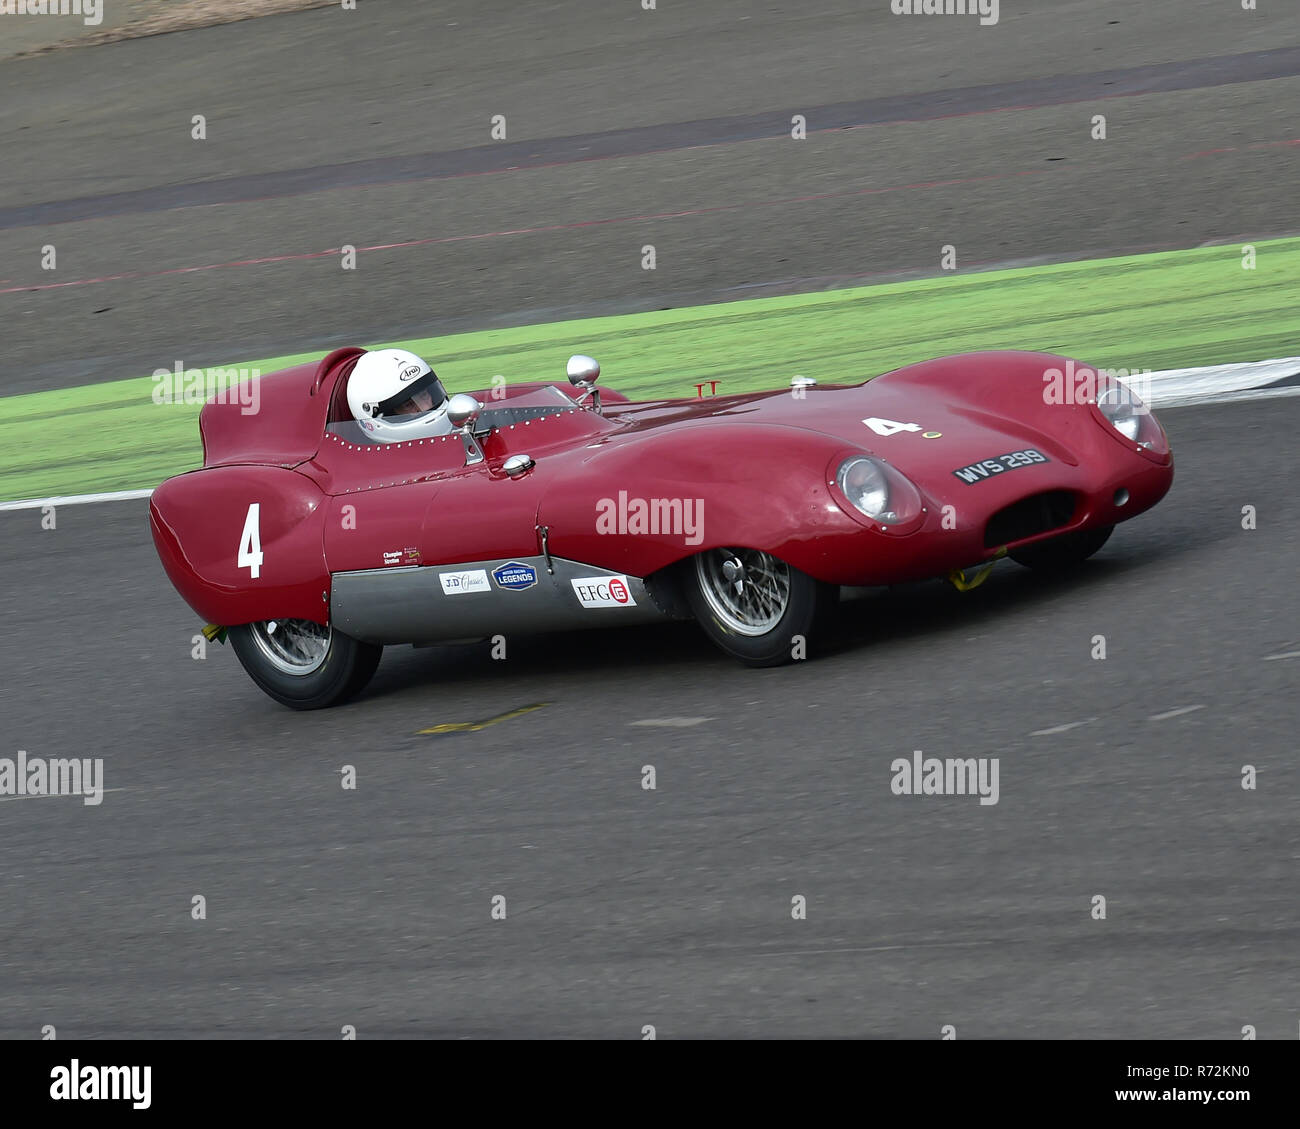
(303, 665)
(1060, 553)
(756, 607)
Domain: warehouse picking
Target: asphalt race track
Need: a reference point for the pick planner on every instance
(673, 907)
(1119, 777)
(1000, 164)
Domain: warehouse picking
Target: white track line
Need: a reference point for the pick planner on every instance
(1174, 713)
(672, 722)
(1193, 385)
(1061, 728)
(74, 500)
(62, 796)
(1246, 380)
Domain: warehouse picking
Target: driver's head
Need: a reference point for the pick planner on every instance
(396, 397)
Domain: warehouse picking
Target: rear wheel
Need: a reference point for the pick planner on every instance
(304, 665)
(756, 607)
(1059, 553)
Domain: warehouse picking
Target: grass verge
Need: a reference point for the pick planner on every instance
(1169, 310)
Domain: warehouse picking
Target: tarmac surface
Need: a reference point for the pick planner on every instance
(1119, 777)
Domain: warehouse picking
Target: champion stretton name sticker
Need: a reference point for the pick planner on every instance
(515, 577)
(990, 468)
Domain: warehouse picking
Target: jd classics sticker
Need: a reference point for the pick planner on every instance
(458, 583)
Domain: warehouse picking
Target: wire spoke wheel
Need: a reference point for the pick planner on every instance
(292, 646)
(304, 665)
(746, 589)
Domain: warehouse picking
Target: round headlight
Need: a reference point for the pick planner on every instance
(877, 490)
(1126, 412)
(863, 483)
(1120, 407)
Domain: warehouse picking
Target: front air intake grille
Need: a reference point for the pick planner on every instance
(1039, 513)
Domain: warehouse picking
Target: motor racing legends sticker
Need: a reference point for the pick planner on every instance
(515, 577)
(458, 583)
(603, 592)
(989, 468)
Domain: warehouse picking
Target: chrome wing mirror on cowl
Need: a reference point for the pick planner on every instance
(583, 373)
(463, 412)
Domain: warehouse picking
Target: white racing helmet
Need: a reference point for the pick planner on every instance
(397, 397)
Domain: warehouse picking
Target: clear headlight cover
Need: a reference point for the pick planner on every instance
(1125, 411)
(878, 491)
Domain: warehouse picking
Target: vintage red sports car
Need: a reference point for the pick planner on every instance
(550, 508)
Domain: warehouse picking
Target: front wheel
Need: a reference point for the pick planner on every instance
(304, 665)
(1059, 553)
(756, 607)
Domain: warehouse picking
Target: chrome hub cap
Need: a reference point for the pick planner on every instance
(292, 646)
(748, 591)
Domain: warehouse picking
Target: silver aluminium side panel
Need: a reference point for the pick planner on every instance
(434, 603)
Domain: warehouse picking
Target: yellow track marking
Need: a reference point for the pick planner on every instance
(473, 726)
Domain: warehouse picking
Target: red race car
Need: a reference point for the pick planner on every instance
(337, 518)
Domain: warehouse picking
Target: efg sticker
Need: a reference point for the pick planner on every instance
(603, 592)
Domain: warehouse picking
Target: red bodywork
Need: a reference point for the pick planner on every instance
(761, 465)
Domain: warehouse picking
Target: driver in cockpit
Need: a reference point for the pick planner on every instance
(397, 397)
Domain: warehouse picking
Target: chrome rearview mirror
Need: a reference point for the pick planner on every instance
(463, 409)
(583, 372)
(583, 369)
(463, 412)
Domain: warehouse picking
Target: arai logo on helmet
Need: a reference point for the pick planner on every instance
(408, 373)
